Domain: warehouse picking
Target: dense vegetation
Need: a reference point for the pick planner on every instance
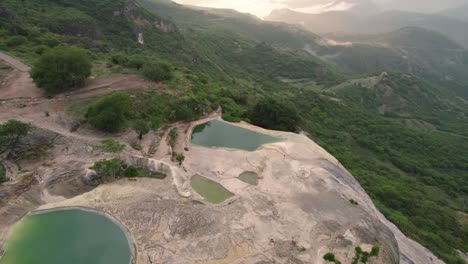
(274, 114)
(61, 68)
(404, 139)
(157, 71)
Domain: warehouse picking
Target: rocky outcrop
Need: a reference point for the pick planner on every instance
(299, 211)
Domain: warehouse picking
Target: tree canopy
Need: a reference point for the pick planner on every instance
(10, 134)
(110, 112)
(61, 69)
(275, 114)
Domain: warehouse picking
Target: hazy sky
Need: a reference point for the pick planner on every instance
(262, 8)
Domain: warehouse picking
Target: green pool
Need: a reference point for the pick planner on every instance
(249, 177)
(212, 191)
(219, 134)
(67, 236)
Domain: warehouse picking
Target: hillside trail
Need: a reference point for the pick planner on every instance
(15, 63)
(21, 99)
(21, 84)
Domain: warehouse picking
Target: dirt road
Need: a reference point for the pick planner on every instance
(15, 63)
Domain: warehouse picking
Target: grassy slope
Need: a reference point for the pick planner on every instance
(417, 177)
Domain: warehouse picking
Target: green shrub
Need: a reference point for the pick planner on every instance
(179, 157)
(375, 251)
(136, 61)
(110, 145)
(131, 172)
(329, 257)
(119, 59)
(357, 256)
(61, 69)
(110, 113)
(107, 168)
(354, 202)
(365, 257)
(358, 250)
(172, 139)
(157, 71)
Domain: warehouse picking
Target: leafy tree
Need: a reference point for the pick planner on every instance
(141, 127)
(109, 113)
(172, 139)
(61, 69)
(157, 71)
(11, 133)
(272, 113)
(179, 157)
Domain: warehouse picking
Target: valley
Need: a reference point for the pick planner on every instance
(262, 143)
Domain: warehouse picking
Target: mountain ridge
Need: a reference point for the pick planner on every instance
(346, 22)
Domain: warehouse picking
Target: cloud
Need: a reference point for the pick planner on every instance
(262, 8)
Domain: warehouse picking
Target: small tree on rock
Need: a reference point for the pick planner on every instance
(11, 133)
(141, 127)
(61, 69)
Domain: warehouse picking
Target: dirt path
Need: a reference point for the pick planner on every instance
(20, 86)
(15, 63)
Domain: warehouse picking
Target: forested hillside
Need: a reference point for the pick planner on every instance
(403, 133)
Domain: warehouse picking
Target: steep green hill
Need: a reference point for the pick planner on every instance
(404, 138)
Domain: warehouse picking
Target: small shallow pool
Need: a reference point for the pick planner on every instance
(249, 177)
(212, 191)
(220, 134)
(70, 236)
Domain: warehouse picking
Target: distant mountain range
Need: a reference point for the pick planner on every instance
(410, 50)
(460, 12)
(449, 22)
